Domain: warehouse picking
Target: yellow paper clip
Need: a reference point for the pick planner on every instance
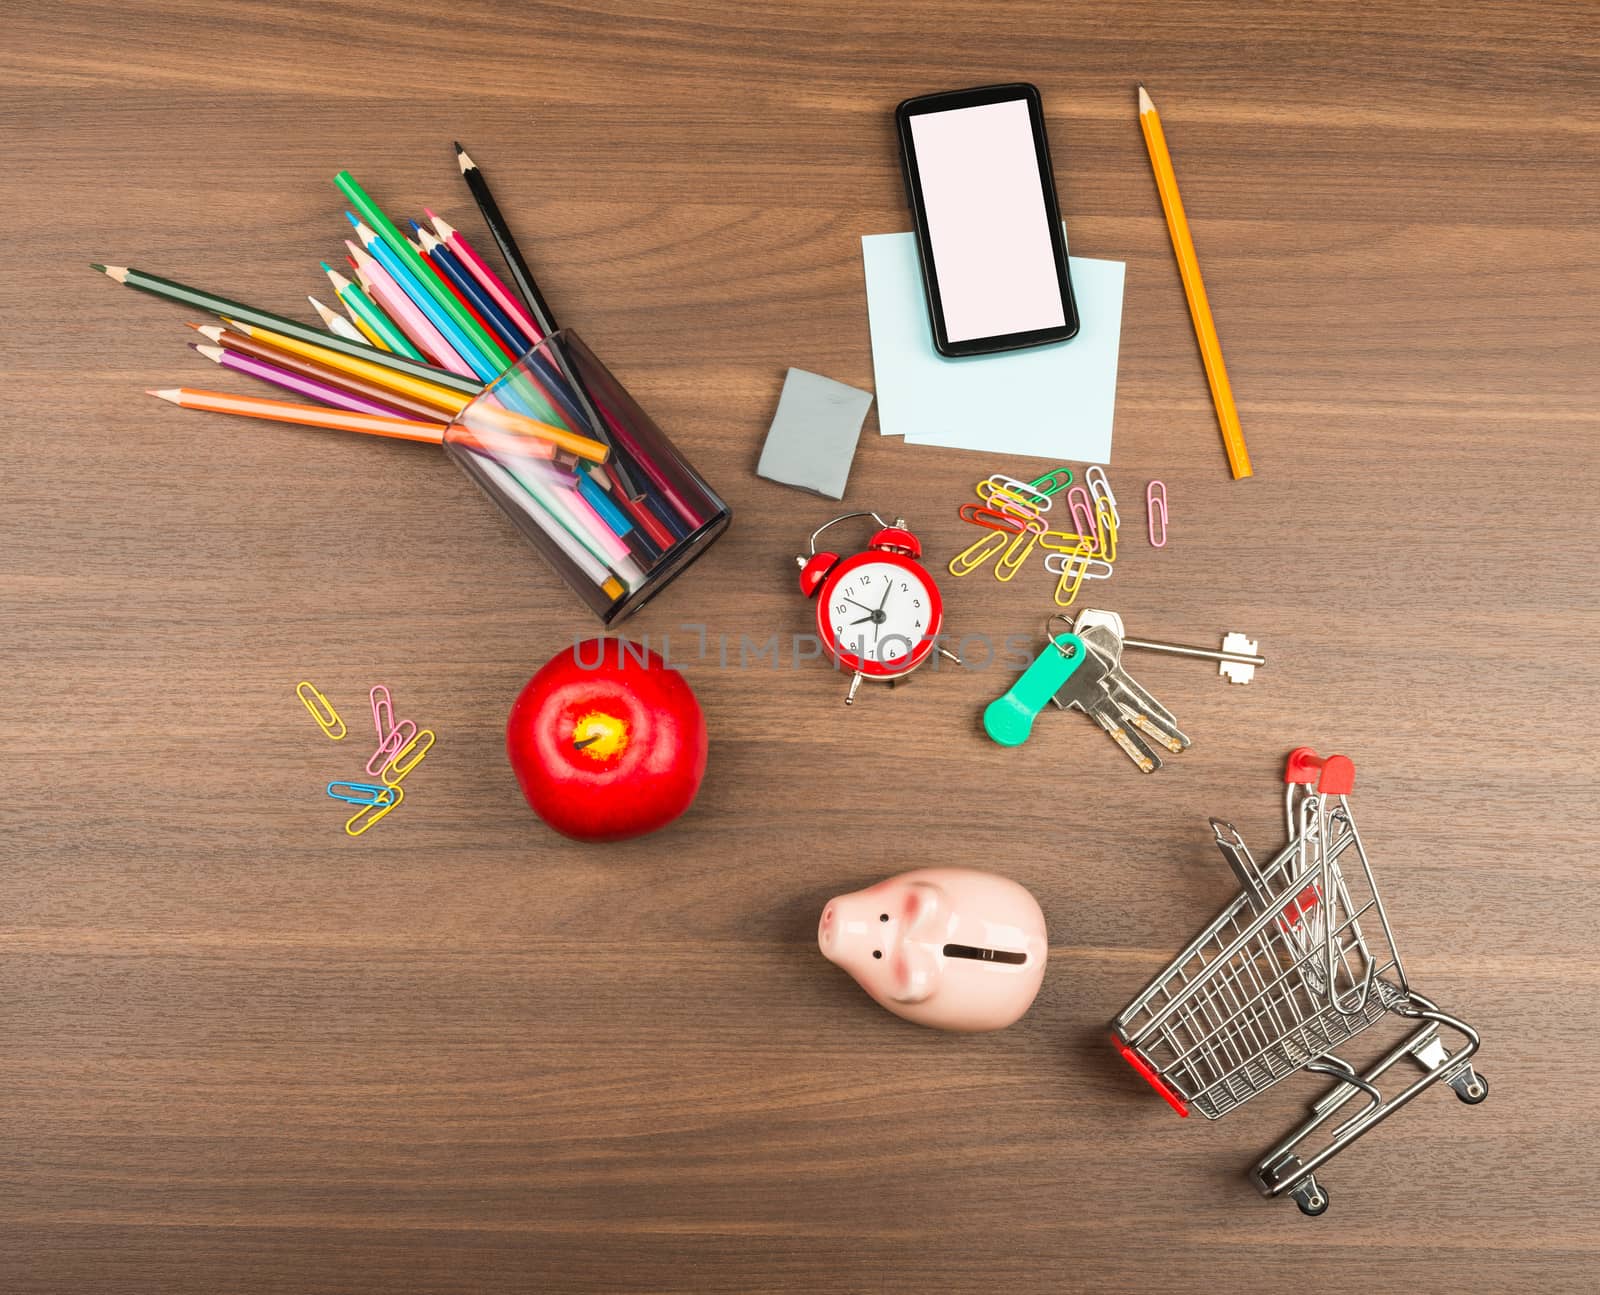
(979, 551)
(394, 772)
(1071, 574)
(1064, 541)
(327, 718)
(1012, 489)
(367, 815)
(1010, 562)
(1107, 513)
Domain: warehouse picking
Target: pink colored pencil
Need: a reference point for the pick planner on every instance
(400, 308)
(503, 297)
(297, 382)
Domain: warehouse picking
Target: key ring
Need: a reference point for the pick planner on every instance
(1049, 634)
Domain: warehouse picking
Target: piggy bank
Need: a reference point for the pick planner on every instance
(953, 948)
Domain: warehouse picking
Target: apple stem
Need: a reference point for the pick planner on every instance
(593, 737)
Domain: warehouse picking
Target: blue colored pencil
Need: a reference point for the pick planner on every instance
(449, 265)
(401, 273)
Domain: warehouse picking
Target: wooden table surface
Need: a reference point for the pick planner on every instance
(243, 1052)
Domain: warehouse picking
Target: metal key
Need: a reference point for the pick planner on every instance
(1139, 707)
(1084, 690)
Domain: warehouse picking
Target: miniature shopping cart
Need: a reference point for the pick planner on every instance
(1301, 962)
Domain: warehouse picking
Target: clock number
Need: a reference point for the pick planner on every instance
(916, 602)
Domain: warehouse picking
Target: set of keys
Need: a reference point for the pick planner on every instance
(1083, 671)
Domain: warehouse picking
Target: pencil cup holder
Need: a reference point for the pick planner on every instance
(591, 482)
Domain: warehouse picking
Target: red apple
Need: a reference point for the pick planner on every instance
(607, 741)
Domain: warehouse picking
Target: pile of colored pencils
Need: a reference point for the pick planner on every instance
(428, 325)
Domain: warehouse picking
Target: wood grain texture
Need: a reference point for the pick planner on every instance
(245, 1053)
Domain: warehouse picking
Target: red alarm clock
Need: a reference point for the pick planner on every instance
(878, 611)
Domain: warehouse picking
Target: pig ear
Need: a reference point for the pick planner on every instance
(913, 974)
(923, 905)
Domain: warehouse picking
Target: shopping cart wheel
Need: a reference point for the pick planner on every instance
(1471, 1087)
(1311, 1196)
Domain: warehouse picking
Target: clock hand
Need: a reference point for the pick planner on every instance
(864, 619)
(887, 588)
(863, 606)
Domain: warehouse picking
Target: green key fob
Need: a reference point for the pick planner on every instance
(1009, 719)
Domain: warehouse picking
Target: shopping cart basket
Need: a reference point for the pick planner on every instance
(1302, 961)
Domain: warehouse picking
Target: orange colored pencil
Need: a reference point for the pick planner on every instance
(286, 411)
(1205, 329)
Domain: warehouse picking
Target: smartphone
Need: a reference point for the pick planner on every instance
(983, 195)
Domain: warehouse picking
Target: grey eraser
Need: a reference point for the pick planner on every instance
(814, 433)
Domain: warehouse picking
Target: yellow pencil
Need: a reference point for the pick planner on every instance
(450, 403)
(1205, 329)
(430, 393)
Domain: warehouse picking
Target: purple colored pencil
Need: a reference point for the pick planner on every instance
(298, 382)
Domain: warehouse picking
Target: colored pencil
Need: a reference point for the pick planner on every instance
(363, 307)
(334, 322)
(448, 402)
(298, 383)
(425, 274)
(568, 549)
(462, 349)
(501, 350)
(283, 411)
(450, 266)
(486, 417)
(1194, 288)
(212, 304)
(506, 242)
(403, 311)
(538, 308)
(487, 278)
(397, 401)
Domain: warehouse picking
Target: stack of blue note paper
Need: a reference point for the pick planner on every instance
(1049, 402)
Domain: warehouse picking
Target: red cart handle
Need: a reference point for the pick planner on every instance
(1335, 776)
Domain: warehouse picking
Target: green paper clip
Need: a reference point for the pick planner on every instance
(1008, 719)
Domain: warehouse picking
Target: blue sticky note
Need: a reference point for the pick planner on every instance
(1049, 402)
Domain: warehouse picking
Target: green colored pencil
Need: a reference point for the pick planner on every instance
(209, 302)
(362, 305)
(370, 212)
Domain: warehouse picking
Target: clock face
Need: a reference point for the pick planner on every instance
(878, 614)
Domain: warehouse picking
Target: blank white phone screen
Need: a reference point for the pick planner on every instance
(987, 226)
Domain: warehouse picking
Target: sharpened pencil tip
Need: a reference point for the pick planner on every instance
(212, 353)
(96, 266)
(1145, 103)
(173, 394)
(465, 162)
(326, 268)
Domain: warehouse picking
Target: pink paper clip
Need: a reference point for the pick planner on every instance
(1084, 520)
(1155, 502)
(403, 732)
(382, 711)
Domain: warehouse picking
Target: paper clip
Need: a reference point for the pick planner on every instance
(1011, 488)
(978, 515)
(1059, 563)
(327, 718)
(367, 815)
(361, 793)
(1108, 530)
(976, 554)
(394, 772)
(382, 706)
(390, 746)
(1155, 503)
(1010, 562)
(1100, 487)
(1064, 541)
(1071, 575)
(1053, 482)
(1002, 502)
(1083, 514)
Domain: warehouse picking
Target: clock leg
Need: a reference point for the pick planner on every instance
(850, 697)
(951, 656)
